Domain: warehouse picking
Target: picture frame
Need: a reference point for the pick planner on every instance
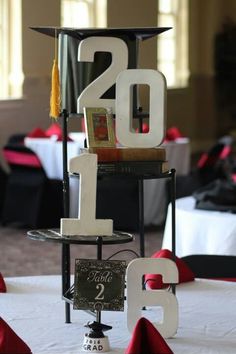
(99, 127)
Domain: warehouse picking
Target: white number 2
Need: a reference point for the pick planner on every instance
(90, 97)
(101, 288)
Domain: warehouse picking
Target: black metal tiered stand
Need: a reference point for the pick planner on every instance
(136, 170)
(133, 169)
(129, 171)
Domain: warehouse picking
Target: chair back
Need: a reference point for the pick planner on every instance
(16, 139)
(212, 266)
(20, 155)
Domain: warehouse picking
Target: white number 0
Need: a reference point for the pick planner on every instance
(156, 81)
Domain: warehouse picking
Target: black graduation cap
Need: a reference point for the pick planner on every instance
(141, 33)
(97, 329)
(75, 76)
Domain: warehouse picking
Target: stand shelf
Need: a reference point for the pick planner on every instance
(53, 235)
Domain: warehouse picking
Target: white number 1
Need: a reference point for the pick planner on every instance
(86, 224)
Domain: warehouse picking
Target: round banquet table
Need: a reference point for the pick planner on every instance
(33, 309)
(200, 231)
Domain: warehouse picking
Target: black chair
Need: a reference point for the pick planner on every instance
(16, 139)
(31, 199)
(3, 181)
(213, 164)
(212, 266)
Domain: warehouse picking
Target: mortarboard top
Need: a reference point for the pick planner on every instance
(75, 76)
(141, 33)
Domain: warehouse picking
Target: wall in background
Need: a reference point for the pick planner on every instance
(191, 109)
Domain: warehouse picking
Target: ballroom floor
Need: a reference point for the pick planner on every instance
(21, 256)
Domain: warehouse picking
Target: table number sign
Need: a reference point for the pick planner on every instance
(99, 285)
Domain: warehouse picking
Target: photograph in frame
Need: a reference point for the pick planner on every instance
(99, 127)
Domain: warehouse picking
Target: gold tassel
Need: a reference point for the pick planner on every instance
(55, 99)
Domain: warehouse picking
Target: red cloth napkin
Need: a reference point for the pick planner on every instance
(10, 342)
(154, 281)
(37, 133)
(225, 279)
(145, 128)
(54, 129)
(3, 288)
(146, 339)
(172, 134)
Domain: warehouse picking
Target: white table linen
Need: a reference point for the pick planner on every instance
(200, 231)
(49, 152)
(34, 309)
(155, 198)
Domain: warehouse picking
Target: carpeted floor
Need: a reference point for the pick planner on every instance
(21, 256)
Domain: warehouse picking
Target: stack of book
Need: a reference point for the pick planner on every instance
(133, 161)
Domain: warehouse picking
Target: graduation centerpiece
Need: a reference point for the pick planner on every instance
(99, 81)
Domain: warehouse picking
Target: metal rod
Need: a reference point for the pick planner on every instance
(173, 197)
(99, 257)
(99, 248)
(141, 218)
(98, 316)
(66, 192)
(66, 205)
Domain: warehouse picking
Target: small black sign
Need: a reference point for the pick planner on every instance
(99, 285)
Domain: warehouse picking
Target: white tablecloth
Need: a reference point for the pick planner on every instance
(34, 309)
(49, 152)
(155, 199)
(200, 231)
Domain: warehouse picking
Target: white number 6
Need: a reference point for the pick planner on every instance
(137, 297)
